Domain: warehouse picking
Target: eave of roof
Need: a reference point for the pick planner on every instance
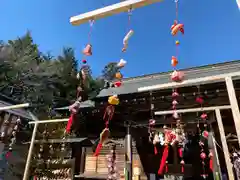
(7, 101)
(85, 104)
(130, 85)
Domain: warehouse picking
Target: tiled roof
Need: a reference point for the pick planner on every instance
(131, 85)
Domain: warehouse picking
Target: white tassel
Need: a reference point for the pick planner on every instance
(238, 3)
(122, 63)
(127, 37)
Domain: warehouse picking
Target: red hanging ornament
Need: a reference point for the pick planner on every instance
(118, 83)
(174, 102)
(8, 154)
(203, 156)
(182, 166)
(199, 100)
(211, 160)
(205, 134)
(84, 61)
(152, 122)
(203, 116)
(87, 51)
(177, 76)
(175, 94)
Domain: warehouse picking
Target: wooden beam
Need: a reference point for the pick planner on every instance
(189, 82)
(212, 108)
(14, 106)
(224, 145)
(110, 10)
(234, 105)
(48, 121)
(51, 141)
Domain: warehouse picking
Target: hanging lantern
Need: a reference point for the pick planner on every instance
(174, 61)
(87, 51)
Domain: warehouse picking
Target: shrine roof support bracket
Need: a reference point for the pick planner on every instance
(110, 10)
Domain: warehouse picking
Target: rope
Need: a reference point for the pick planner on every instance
(91, 22)
(176, 2)
(129, 18)
(108, 114)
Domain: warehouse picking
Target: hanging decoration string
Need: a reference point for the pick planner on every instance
(129, 33)
(129, 19)
(91, 23)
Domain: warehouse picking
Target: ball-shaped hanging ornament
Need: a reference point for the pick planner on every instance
(118, 75)
(175, 94)
(84, 61)
(199, 100)
(174, 61)
(203, 155)
(117, 83)
(174, 102)
(177, 43)
(177, 76)
(203, 116)
(205, 134)
(152, 122)
(113, 100)
(175, 115)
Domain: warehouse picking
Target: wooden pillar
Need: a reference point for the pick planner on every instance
(234, 105)
(216, 164)
(224, 145)
(128, 154)
(83, 158)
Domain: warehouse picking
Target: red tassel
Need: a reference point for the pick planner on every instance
(166, 168)
(8, 154)
(163, 160)
(182, 169)
(155, 150)
(180, 152)
(98, 149)
(69, 124)
(211, 164)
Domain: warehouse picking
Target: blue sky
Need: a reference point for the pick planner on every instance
(211, 32)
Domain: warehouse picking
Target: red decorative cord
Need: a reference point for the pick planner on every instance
(108, 114)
